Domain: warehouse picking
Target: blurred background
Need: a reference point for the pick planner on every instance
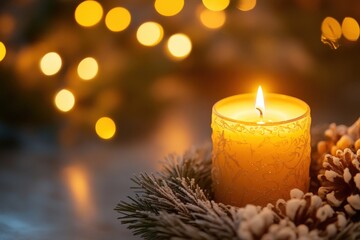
(92, 93)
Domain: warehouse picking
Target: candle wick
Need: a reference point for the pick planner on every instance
(260, 111)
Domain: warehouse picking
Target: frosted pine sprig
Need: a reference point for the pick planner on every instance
(173, 205)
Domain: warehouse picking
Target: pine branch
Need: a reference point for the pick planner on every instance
(185, 209)
(174, 205)
(177, 204)
(194, 164)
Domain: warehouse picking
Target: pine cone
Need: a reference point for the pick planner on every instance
(305, 216)
(255, 221)
(340, 137)
(340, 180)
(336, 137)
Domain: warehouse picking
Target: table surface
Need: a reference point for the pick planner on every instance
(62, 192)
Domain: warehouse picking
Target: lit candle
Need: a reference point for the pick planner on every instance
(260, 154)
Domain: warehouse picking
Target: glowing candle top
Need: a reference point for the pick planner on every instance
(279, 108)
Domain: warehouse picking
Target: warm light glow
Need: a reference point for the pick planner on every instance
(105, 128)
(179, 45)
(173, 133)
(216, 5)
(350, 29)
(7, 23)
(150, 33)
(88, 13)
(2, 51)
(50, 63)
(87, 68)
(246, 5)
(212, 19)
(260, 104)
(262, 146)
(64, 100)
(169, 7)
(77, 181)
(117, 19)
(331, 28)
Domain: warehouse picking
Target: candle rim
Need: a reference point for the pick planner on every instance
(301, 102)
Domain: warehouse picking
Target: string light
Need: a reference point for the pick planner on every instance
(246, 5)
(64, 100)
(212, 19)
(87, 68)
(88, 13)
(149, 33)
(2, 51)
(105, 128)
(168, 7)
(350, 29)
(216, 5)
(331, 28)
(179, 46)
(117, 19)
(50, 63)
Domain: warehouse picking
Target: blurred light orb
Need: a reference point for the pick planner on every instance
(105, 128)
(216, 5)
(212, 19)
(350, 29)
(64, 100)
(2, 51)
(169, 8)
(50, 63)
(87, 68)
(179, 45)
(117, 19)
(88, 13)
(331, 29)
(150, 34)
(246, 5)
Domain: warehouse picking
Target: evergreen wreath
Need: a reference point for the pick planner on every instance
(177, 202)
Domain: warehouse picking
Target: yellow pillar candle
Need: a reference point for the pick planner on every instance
(260, 154)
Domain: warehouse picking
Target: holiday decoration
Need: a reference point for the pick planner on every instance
(257, 141)
(306, 216)
(178, 202)
(340, 180)
(340, 137)
(339, 167)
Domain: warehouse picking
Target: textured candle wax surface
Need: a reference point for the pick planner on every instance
(258, 164)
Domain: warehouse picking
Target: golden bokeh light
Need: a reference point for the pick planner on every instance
(2, 51)
(149, 33)
(117, 19)
(331, 29)
(169, 7)
(246, 5)
(87, 68)
(350, 29)
(64, 100)
(105, 128)
(88, 13)
(212, 19)
(216, 5)
(50, 63)
(179, 45)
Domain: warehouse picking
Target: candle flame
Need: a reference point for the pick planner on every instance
(259, 104)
